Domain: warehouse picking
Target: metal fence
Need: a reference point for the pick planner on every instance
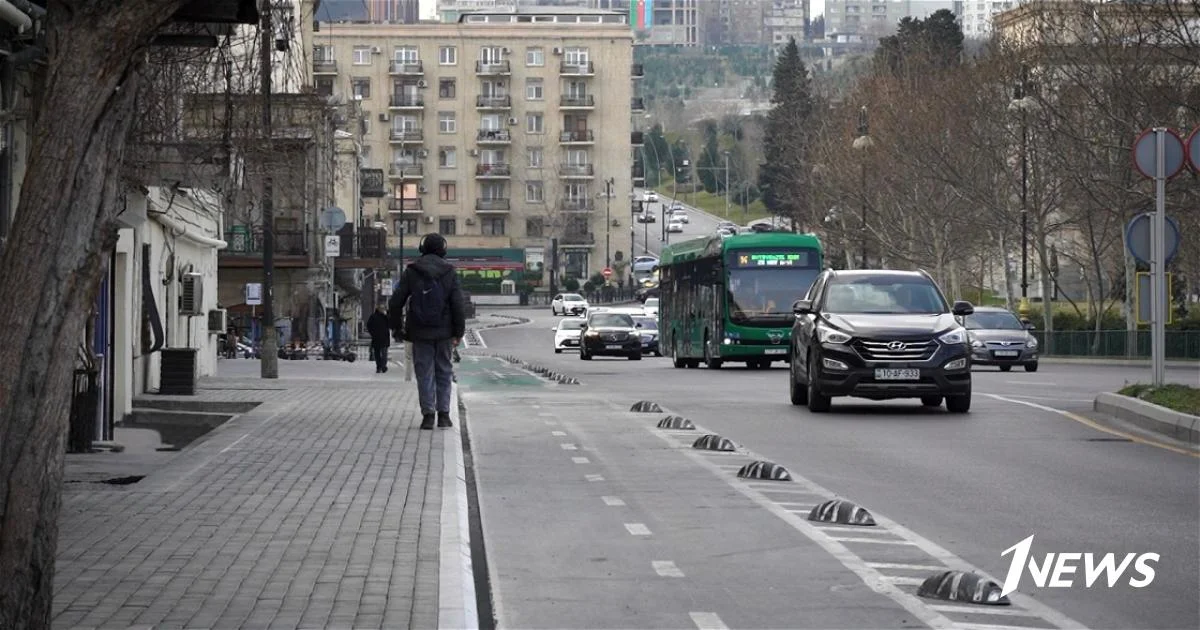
(1181, 344)
(596, 297)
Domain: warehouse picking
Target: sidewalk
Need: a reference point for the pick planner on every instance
(324, 507)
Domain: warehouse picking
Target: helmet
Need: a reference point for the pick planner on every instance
(433, 243)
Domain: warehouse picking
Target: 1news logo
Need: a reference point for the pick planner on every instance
(1058, 569)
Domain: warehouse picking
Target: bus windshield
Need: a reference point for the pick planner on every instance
(766, 292)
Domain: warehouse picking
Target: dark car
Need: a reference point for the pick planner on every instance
(610, 334)
(998, 337)
(648, 330)
(879, 334)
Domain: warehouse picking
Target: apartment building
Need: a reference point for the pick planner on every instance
(976, 15)
(505, 132)
(856, 20)
(676, 23)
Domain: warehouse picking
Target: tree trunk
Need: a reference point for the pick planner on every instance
(57, 252)
(1008, 271)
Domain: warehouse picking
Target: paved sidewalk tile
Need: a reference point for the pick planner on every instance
(318, 509)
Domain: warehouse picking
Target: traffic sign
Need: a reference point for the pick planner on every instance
(333, 246)
(607, 272)
(1145, 153)
(1137, 238)
(253, 293)
(333, 218)
(1193, 146)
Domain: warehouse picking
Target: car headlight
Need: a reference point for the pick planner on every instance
(591, 333)
(1032, 343)
(829, 335)
(954, 337)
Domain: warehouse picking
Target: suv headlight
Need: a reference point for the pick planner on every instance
(954, 337)
(829, 335)
(977, 344)
(1031, 343)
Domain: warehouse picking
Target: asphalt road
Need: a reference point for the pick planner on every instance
(959, 488)
(647, 237)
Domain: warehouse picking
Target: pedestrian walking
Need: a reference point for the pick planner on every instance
(377, 326)
(433, 323)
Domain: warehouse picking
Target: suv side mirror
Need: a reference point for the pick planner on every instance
(962, 308)
(802, 307)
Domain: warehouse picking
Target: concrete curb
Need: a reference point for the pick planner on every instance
(457, 607)
(1180, 426)
(1116, 362)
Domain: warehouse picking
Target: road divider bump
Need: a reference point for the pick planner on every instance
(714, 442)
(842, 513)
(676, 422)
(764, 470)
(646, 406)
(963, 586)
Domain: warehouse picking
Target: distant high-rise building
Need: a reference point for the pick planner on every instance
(402, 11)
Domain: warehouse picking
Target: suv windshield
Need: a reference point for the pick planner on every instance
(883, 295)
(610, 319)
(570, 324)
(993, 320)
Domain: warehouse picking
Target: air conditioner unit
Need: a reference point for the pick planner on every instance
(512, 121)
(429, 219)
(191, 294)
(423, 153)
(474, 152)
(218, 320)
(470, 220)
(422, 190)
(375, 50)
(558, 51)
(384, 117)
(506, 51)
(422, 84)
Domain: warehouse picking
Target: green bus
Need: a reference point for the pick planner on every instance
(730, 299)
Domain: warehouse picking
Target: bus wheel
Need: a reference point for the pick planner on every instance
(709, 361)
(675, 360)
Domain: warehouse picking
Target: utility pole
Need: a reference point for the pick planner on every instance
(269, 363)
(608, 186)
(726, 184)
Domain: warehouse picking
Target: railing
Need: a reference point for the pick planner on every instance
(492, 67)
(406, 170)
(576, 205)
(407, 67)
(406, 100)
(576, 170)
(637, 70)
(577, 136)
(586, 100)
(637, 138)
(579, 238)
(493, 170)
(407, 135)
(365, 243)
(485, 102)
(1116, 344)
(577, 69)
(287, 242)
(494, 135)
(324, 66)
(637, 104)
(492, 205)
(404, 205)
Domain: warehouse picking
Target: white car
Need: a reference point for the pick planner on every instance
(680, 214)
(644, 263)
(650, 307)
(675, 225)
(565, 303)
(566, 334)
(651, 197)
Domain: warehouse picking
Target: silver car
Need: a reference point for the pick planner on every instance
(999, 338)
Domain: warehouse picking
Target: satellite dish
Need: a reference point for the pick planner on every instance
(333, 218)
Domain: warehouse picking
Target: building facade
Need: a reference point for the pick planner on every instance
(858, 20)
(501, 132)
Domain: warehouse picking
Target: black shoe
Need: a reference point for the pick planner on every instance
(443, 419)
(385, 369)
(427, 421)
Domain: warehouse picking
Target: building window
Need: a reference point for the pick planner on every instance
(447, 55)
(324, 86)
(535, 123)
(534, 90)
(535, 227)
(323, 54)
(534, 193)
(406, 55)
(447, 227)
(535, 56)
(491, 226)
(536, 157)
(362, 55)
(446, 88)
(447, 157)
(576, 56)
(361, 87)
(405, 226)
(447, 192)
(447, 123)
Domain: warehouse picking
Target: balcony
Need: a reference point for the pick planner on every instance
(585, 136)
(492, 68)
(638, 71)
(365, 242)
(492, 205)
(406, 101)
(405, 206)
(407, 68)
(493, 102)
(406, 171)
(585, 101)
(637, 138)
(637, 104)
(493, 136)
(493, 171)
(324, 66)
(577, 69)
(576, 171)
(245, 248)
(407, 136)
(578, 238)
(638, 174)
(576, 205)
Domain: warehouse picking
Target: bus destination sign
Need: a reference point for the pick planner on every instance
(771, 259)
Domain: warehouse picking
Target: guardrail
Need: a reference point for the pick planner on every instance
(1116, 344)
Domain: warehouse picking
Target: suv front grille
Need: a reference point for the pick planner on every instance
(615, 336)
(911, 350)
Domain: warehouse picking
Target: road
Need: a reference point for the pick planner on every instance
(595, 519)
(648, 236)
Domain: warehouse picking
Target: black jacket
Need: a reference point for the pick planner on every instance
(429, 268)
(377, 325)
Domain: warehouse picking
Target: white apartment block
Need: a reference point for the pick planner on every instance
(499, 131)
(676, 23)
(976, 16)
(859, 20)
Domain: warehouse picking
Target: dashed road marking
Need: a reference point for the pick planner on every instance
(581, 460)
(558, 433)
(902, 580)
(980, 610)
(593, 477)
(707, 621)
(637, 529)
(666, 568)
(909, 567)
(876, 541)
(857, 529)
(613, 501)
(568, 447)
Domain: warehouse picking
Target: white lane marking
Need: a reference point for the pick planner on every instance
(707, 621)
(857, 529)
(581, 460)
(558, 433)
(1054, 398)
(988, 626)
(637, 529)
(666, 568)
(568, 447)
(235, 443)
(910, 567)
(902, 580)
(612, 501)
(594, 477)
(876, 541)
(980, 609)
(781, 490)
(479, 342)
(1037, 383)
(870, 576)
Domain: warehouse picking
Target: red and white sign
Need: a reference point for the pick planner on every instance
(607, 272)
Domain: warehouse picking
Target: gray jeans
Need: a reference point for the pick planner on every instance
(433, 371)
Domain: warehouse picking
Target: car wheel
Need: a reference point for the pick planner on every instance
(959, 404)
(709, 361)
(798, 391)
(817, 402)
(931, 401)
(558, 351)
(1031, 367)
(1005, 368)
(637, 356)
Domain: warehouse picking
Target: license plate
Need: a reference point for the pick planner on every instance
(1007, 353)
(775, 351)
(570, 342)
(613, 346)
(891, 374)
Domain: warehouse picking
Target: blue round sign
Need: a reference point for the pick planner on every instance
(1145, 154)
(1137, 238)
(1193, 146)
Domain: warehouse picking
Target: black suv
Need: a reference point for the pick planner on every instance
(610, 334)
(879, 334)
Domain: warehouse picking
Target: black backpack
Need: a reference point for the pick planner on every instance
(428, 302)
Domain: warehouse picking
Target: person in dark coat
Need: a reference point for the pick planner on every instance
(381, 338)
(427, 311)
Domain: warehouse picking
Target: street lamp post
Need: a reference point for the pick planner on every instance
(608, 186)
(1021, 103)
(726, 184)
(862, 143)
